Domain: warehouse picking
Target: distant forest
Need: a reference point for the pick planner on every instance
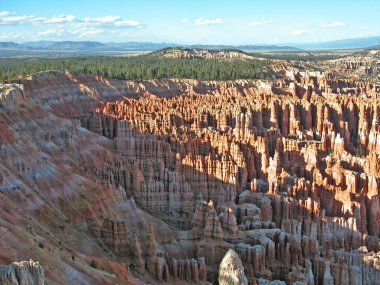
(137, 67)
(296, 56)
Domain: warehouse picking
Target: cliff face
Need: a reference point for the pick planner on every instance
(106, 180)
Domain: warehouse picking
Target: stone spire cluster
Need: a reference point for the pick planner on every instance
(245, 182)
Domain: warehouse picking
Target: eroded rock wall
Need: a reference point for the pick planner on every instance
(167, 176)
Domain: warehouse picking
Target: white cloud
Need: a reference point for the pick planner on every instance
(86, 32)
(56, 33)
(91, 33)
(106, 19)
(335, 24)
(65, 26)
(4, 13)
(364, 34)
(8, 19)
(16, 20)
(261, 21)
(370, 33)
(184, 21)
(207, 21)
(11, 36)
(127, 23)
(98, 21)
(59, 19)
(51, 32)
(298, 32)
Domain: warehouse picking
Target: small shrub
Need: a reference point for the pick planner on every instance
(41, 245)
(94, 264)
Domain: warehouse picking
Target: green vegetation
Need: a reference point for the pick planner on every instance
(160, 52)
(94, 264)
(299, 55)
(4, 87)
(138, 67)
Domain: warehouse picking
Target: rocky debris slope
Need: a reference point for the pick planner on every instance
(123, 181)
(22, 273)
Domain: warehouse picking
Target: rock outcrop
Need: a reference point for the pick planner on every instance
(231, 270)
(22, 273)
(198, 53)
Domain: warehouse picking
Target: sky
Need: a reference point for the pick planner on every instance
(232, 22)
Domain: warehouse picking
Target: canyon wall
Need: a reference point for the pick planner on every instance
(158, 180)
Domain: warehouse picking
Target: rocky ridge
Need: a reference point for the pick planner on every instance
(363, 64)
(198, 53)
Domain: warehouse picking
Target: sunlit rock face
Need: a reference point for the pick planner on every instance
(106, 181)
(231, 270)
(22, 273)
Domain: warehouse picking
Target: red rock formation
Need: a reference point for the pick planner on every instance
(151, 251)
(108, 174)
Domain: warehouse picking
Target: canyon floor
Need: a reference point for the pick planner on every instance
(180, 181)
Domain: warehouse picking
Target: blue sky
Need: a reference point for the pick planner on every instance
(188, 22)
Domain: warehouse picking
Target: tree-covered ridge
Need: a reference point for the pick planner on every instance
(138, 67)
(303, 56)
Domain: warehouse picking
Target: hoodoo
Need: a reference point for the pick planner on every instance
(231, 270)
(134, 163)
